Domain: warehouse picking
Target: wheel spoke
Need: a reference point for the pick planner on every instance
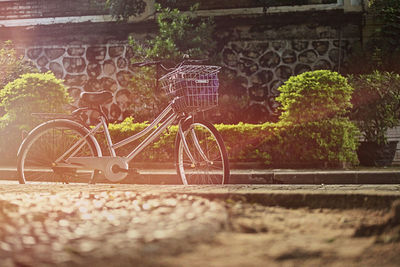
(208, 151)
(49, 141)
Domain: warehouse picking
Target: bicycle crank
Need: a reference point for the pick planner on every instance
(114, 168)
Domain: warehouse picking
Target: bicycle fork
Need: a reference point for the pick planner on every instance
(196, 144)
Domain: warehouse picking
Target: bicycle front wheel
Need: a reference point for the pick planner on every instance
(39, 159)
(208, 163)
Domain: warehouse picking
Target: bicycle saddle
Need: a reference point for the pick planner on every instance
(96, 98)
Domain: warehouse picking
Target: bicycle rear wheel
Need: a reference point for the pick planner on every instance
(210, 165)
(36, 160)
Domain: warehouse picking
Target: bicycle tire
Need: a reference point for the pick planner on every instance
(45, 143)
(214, 170)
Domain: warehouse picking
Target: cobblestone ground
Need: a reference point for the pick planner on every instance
(137, 226)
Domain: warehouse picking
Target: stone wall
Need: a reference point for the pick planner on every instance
(260, 66)
(261, 55)
(259, 59)
(263, 66)
(89, 68)
(261, 49)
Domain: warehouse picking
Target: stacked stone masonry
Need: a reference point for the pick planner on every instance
(89, 68)
(260, 52)
(263, 66)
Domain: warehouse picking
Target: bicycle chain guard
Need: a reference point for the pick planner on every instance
(114, 169)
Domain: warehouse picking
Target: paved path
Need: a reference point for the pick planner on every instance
(171, 225)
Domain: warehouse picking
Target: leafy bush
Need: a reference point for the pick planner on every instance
(240, 139)
(323, 143)
(313, 131)
(32, 92)
(231, 109)
(380, 50)
(123, 9)
(179, 34)
(314, 127)
(376, 104)
(314, 96)
(11, 65)
(385, 42)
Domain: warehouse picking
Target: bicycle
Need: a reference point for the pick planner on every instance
(64, 148)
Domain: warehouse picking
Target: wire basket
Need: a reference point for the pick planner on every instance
(196, 87)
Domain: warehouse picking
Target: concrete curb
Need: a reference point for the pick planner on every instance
(266, 176)
(280, 177)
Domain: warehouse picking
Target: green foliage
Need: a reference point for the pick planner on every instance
(313, 131)
(123, 9)
(11, 65)
(160, 150)
(240, 139)
(147, 99)
(179, 34)
(314, 96)
(243, 139)
(388, 34)
(382, 49)
(232, 109)
(33, 92)
(376, 101)
(328, 143)
(314, 127)
(323, 143)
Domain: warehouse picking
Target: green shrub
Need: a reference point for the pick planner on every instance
(32, 92)
(163, 148)
(160, 150)
(324, 143)
(179, 34)
(376, 104)
(241, 140)
(123, 9)
(314, 128)
(314, 96)
(384, 43)
(11, 65)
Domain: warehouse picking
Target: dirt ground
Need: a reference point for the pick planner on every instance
(138, 226)
(275, 236)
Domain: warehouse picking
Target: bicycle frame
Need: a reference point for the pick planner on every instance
(167, 122)
(167, 116)
(194, 90)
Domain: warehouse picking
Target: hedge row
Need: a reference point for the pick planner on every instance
(330, 142)
(324, 143)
